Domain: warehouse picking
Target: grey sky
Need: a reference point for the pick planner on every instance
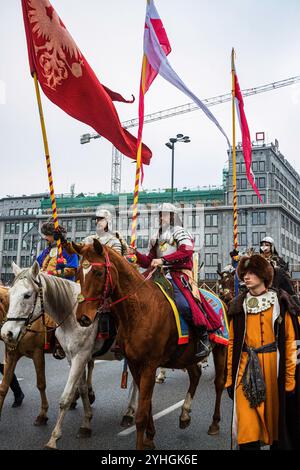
(264, 33)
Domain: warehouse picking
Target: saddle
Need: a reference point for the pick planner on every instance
(160, 278)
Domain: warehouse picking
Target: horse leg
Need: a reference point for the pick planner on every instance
(160, 379)
(85, 428)
(146, 382)
(11, 359)
(220, 358)
(39, 364)
(77, 366)
(128, 417)
(194, 372)
(91, 393)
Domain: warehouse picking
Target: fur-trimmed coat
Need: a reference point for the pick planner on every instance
(289, 404)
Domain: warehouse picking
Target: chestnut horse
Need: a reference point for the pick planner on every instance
(147, 332)
(32, 346)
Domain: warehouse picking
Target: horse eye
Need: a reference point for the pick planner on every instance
(27, 296)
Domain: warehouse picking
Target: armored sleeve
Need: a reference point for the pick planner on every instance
(116, 245)
(185, 247)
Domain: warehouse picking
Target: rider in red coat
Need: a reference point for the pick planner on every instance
(173, 248)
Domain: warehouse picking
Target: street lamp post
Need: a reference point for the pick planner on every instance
(171, 145)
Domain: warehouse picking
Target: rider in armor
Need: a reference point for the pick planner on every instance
(269, 252)
(50, 263)
(172, 248)
(104, 232)
(106, 237)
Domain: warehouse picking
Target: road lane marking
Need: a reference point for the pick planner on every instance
(155, 417)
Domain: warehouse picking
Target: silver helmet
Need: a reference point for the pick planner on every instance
(105, 214)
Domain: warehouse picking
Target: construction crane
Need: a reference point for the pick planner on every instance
(167, 113)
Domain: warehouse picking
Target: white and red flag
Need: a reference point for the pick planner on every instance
(67, 79)
(246, 140)
(156, 50)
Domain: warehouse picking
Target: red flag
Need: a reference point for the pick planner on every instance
(67, 79)
(246, 140)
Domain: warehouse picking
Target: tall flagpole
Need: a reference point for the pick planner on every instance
(48, 161)
(139, 155)
(235, 209)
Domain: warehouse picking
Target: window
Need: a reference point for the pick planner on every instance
(207, 259)
(243, 200)
(283, 240)
(262, 166)
(214, 257)
(211, 220)
(211, 239)
(255, 240)
(262, 235)
(67, 224)
(242, 237)
(259, 218)
(262, 182)
(81, 225)
(6, 230)
(5, 245)
(243, 183)
(15, 244)
(255, 166)
(242, 218)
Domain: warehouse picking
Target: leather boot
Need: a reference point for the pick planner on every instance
(203, 344)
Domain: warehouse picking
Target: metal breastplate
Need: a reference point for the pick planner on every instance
(166, 245)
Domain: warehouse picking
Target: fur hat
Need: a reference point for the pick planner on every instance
(259, 266)
(48, 228)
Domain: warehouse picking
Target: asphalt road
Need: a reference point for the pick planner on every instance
(17, 430)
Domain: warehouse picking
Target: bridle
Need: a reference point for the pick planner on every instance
(108, 286)
(104, 303)
(28, 320)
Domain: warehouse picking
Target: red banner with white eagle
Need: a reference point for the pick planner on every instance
(67, 79)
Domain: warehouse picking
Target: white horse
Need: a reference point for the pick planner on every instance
(34, 292)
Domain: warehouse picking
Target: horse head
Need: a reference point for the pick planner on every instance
(24, 304)
(97, 276)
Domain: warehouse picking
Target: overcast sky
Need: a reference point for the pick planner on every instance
(265, 34)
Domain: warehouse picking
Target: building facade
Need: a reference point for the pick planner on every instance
(206, 213)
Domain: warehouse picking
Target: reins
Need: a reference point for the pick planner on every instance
(109, 287)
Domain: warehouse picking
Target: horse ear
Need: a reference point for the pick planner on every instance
(35, 269)
(98, 247)
(77, 248)
(16, 269)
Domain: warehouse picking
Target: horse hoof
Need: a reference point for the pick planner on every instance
(213, 430)
(184, 424)
(84, 433)
(41, 421)
(148, 445)
(92, 397)
(73, 405)
(46, 447)
(160, 381)
(127, 421)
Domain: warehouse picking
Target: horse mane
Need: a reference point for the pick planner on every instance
(61, 293)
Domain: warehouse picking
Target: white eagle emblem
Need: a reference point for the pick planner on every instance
(52, 56)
